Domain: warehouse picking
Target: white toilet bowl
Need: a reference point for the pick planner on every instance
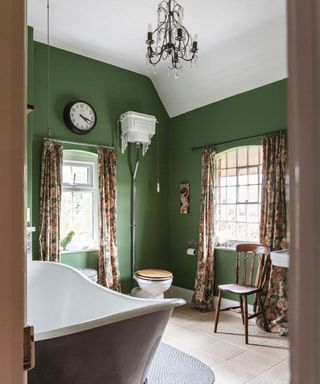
(152, 283)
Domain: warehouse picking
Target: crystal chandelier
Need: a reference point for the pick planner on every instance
(170, 39)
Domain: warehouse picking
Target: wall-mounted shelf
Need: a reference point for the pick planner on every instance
(30, 108)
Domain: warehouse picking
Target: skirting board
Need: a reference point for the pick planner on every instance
(186, 294)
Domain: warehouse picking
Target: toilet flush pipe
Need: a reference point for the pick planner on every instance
(133, 212)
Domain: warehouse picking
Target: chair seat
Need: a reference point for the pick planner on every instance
(239, 289)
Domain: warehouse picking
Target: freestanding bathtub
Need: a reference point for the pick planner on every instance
(87, 334)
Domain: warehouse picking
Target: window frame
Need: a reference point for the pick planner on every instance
(90, 159)
(237, 168)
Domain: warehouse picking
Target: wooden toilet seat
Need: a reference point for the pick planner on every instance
(154, 274)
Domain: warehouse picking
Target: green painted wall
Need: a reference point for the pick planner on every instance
(112, 91)
(256, 112)
(162, 233)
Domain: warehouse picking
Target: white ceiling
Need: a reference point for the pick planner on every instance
(242, 43)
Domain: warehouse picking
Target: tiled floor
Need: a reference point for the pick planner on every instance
(264, 360)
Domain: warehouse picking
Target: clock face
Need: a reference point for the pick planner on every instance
(80, 117)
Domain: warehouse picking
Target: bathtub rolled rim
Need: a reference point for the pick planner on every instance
(150, 306)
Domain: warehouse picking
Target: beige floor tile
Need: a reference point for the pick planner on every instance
(211, 360)
(278, 374)
(229, 374)
(173, 329)
(271, 350)
(188, 310)
(188, 340)
(237, 337)
(198, 325)
(179, 317)
(253, 362)
(224, 350)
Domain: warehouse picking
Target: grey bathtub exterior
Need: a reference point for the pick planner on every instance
(117, 353)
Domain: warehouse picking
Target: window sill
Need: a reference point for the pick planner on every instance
(232, 247)
(221, 248)
(79, 250)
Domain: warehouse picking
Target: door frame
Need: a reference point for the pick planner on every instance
(12, 189)
(304, 160)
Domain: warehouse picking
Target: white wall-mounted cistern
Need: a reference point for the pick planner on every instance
(139, 129)
(136, 128)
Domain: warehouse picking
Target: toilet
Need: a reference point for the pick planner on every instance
(152, 283)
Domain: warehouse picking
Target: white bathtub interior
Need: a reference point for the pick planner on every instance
(59, 296)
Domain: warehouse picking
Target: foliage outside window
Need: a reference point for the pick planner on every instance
(238, 178)
(79, 206)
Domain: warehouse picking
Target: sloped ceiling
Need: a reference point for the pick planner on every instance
(242, 43)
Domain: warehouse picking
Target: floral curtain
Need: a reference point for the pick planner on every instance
(273, 224)
(50, 201)
(109, 275)
(204, 281)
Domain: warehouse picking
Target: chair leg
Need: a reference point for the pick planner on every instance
(263, 314)
(241, 308)
(217, 313)
(246, 318)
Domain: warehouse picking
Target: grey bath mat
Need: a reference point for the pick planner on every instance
(171, 366)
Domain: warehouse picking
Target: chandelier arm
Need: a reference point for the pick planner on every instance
(171, 37)
(159, 27)
(191, 58)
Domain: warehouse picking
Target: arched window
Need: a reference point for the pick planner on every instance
(79, 205)
(238, 194)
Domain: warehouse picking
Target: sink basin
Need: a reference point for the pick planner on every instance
(280, 258)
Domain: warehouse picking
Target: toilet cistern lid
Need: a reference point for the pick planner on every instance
(154, 274)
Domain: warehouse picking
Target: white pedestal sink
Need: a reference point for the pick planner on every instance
(280, 258)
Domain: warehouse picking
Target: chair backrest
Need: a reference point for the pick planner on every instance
(251, 264)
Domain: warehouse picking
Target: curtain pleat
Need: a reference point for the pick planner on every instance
(109, 275)
(273, 222)
(204, 280)
(50, 201)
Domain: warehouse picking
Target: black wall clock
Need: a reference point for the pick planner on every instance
(80, 117)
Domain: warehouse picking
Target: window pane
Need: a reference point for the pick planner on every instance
(241, 212)
(66, 214)
(66, 174)
(253, 193)
(253, 211)
(222, 195)
(238, 189)
(232, 176)
(232, 159)
(242, 157)
(254, 155)
(221, 212)
(242, 231)
(253, 232)
(231, 195)
(253, 175)
(222, 178)
(82, 216)
(231, 213)
(231, 231)
(243, 176)
(243, 194)
(80, 175)
(222, 162)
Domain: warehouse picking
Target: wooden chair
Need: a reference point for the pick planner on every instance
(253, 256)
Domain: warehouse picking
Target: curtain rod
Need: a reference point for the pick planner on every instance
(236, 140)
(77, 143)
